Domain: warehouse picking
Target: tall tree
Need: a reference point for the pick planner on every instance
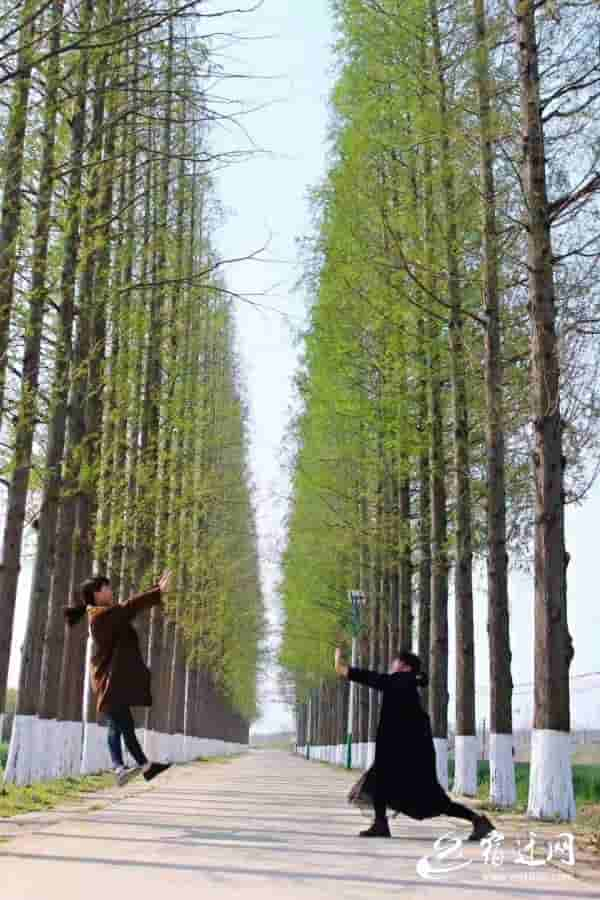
(550, 761)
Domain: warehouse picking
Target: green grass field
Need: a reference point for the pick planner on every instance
(3, 755)
(586, 782)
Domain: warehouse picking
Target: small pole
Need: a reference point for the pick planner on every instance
(351, 702)
(357, 599)
(309, 726)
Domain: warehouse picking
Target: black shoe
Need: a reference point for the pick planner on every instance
(379, 828)
(155, 769)
(481, 828)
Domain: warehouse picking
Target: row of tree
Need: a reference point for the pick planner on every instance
(124, 445)
(451, 363)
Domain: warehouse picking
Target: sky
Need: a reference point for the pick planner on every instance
(287, 51)
(266, 203)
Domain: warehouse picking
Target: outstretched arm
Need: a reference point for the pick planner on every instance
(145, 600)
(376, 680)
(371, 679)
(110, 621)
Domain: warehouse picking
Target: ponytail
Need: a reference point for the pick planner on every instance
(74, 614)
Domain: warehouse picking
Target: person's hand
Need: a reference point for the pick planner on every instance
(340, 666)
(164, 581)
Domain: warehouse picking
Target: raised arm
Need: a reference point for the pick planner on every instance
(139, 602)
(146, 599)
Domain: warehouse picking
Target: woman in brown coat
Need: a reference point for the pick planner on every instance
(119, 675)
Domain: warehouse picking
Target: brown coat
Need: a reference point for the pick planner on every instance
(119, 675)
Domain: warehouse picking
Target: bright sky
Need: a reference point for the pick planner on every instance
(266, 201)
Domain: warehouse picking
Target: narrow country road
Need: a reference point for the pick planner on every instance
(266, 825)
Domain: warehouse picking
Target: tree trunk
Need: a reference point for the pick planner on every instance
(551, 787)
(502, 777)
(51, 533)
(466, 749)
(78, 548)
(155, 647)
(10, 220)
(424, 521)
(31, 654)
(406, 613)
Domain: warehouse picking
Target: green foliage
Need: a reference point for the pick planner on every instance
(156, 460)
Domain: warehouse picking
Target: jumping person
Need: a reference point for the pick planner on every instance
(403, 777)
(120, 678)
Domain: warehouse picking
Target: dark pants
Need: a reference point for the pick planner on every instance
(455, 810)
(120, 724)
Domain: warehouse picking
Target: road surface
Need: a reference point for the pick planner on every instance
(265, 825)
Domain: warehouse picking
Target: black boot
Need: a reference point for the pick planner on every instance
(481, 828)
(379, 828)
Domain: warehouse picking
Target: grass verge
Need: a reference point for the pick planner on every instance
(16, 800)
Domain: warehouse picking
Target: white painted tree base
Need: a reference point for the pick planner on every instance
(71, 757)
(370, 754)
(42, 759)
(441, 760)
(95, 756)
(179, 749)
(43, 749)
(43, 738)
(551, 793)
(190, 748)
(466, 752)
(148, 743)
(21, 748)
(503, 789)
(363, 754)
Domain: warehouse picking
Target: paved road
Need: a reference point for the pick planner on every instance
(266, 825)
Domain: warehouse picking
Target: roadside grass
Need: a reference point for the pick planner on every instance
(16, 800)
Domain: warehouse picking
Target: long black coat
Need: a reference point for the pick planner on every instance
(404, 775)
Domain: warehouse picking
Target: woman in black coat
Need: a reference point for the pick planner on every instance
(404, 777)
